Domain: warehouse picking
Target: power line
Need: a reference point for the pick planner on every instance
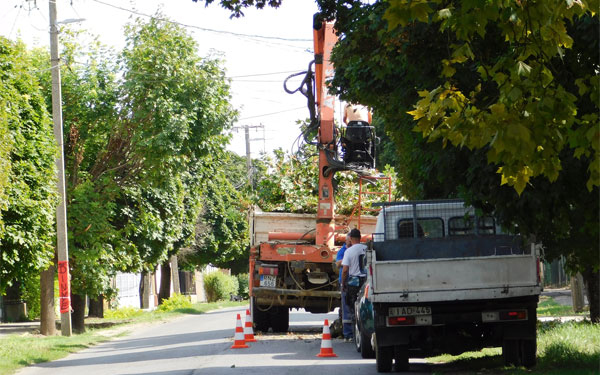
(258, 80)
(264, 74)
(14, 23)
(272, 113)
(203, 28)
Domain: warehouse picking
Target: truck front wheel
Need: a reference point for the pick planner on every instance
(363, 342)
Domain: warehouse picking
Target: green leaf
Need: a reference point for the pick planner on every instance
(515, 94)
(580, 82)
(444, 13)
(523, 69)
(420, 11)
(447, 70)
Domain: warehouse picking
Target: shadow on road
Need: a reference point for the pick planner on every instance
(188, 345)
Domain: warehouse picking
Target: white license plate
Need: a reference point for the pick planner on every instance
(268, 281)
(409, 311)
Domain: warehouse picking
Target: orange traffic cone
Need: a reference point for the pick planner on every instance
(238, 339)
(248, 331)
(326, 349)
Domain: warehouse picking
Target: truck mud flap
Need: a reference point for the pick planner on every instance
(392, 336)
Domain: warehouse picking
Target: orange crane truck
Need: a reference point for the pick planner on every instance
(292, 262)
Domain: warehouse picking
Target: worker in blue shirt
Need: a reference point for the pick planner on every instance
(346, 317)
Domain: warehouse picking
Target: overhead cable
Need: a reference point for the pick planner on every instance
(203, 28)
(272, 113)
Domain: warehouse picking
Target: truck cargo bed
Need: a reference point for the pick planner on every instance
(448, 279)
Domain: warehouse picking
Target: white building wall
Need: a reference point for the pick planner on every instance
(128, 292)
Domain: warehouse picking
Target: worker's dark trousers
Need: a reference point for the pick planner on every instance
(346, 313)
(351, 294)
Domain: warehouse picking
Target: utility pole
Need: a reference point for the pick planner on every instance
(248, 157)
(61, 211)
(248, 139)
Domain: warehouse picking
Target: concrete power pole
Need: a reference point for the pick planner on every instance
(248, 139)
(61, 211)
(248, 157)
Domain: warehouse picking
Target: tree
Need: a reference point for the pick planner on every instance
(184, 116)
(387, 69)
(221, 236)
(27, 175)
(134, 151)
(5, 147)
(529, 114)
(236, 6)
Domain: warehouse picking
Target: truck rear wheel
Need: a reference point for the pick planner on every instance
(383, 358)
(280, 318)
(528, 352)
(401, 358)
(260, 317)
(510, 352)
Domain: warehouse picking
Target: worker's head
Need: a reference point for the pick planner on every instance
(354, 236)
(348, 243)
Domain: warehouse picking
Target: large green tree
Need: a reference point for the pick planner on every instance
(182, 101)
(27, 173)
(221, 236)
(139, 126)
(393, 70)
(530, 114)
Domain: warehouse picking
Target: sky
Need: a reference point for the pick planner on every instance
(260, 50)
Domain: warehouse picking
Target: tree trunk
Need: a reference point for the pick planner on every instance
(78, 315)
(592, 280)
(97, 307)
(577, 292)
(165, 282)
(145, 290)
(175, 274)
(47, 315)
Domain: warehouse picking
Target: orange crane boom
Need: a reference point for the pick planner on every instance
(324, 40)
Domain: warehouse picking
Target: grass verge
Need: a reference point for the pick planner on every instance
(20, 350)
(562, 348)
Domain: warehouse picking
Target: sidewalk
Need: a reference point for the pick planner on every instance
(561, 295)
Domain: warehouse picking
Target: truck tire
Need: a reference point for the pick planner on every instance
(280, 318)
(358, 341)
(528, 349)
(383, 358)
(261, 317)
(510, 352)
(363, 343)
(401, 358)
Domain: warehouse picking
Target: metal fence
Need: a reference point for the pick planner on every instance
(555, 275)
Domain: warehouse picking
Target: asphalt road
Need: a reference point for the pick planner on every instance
(200, 344)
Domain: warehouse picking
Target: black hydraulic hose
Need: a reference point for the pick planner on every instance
(306, 87)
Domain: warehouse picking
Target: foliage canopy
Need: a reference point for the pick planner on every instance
(27, 174)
